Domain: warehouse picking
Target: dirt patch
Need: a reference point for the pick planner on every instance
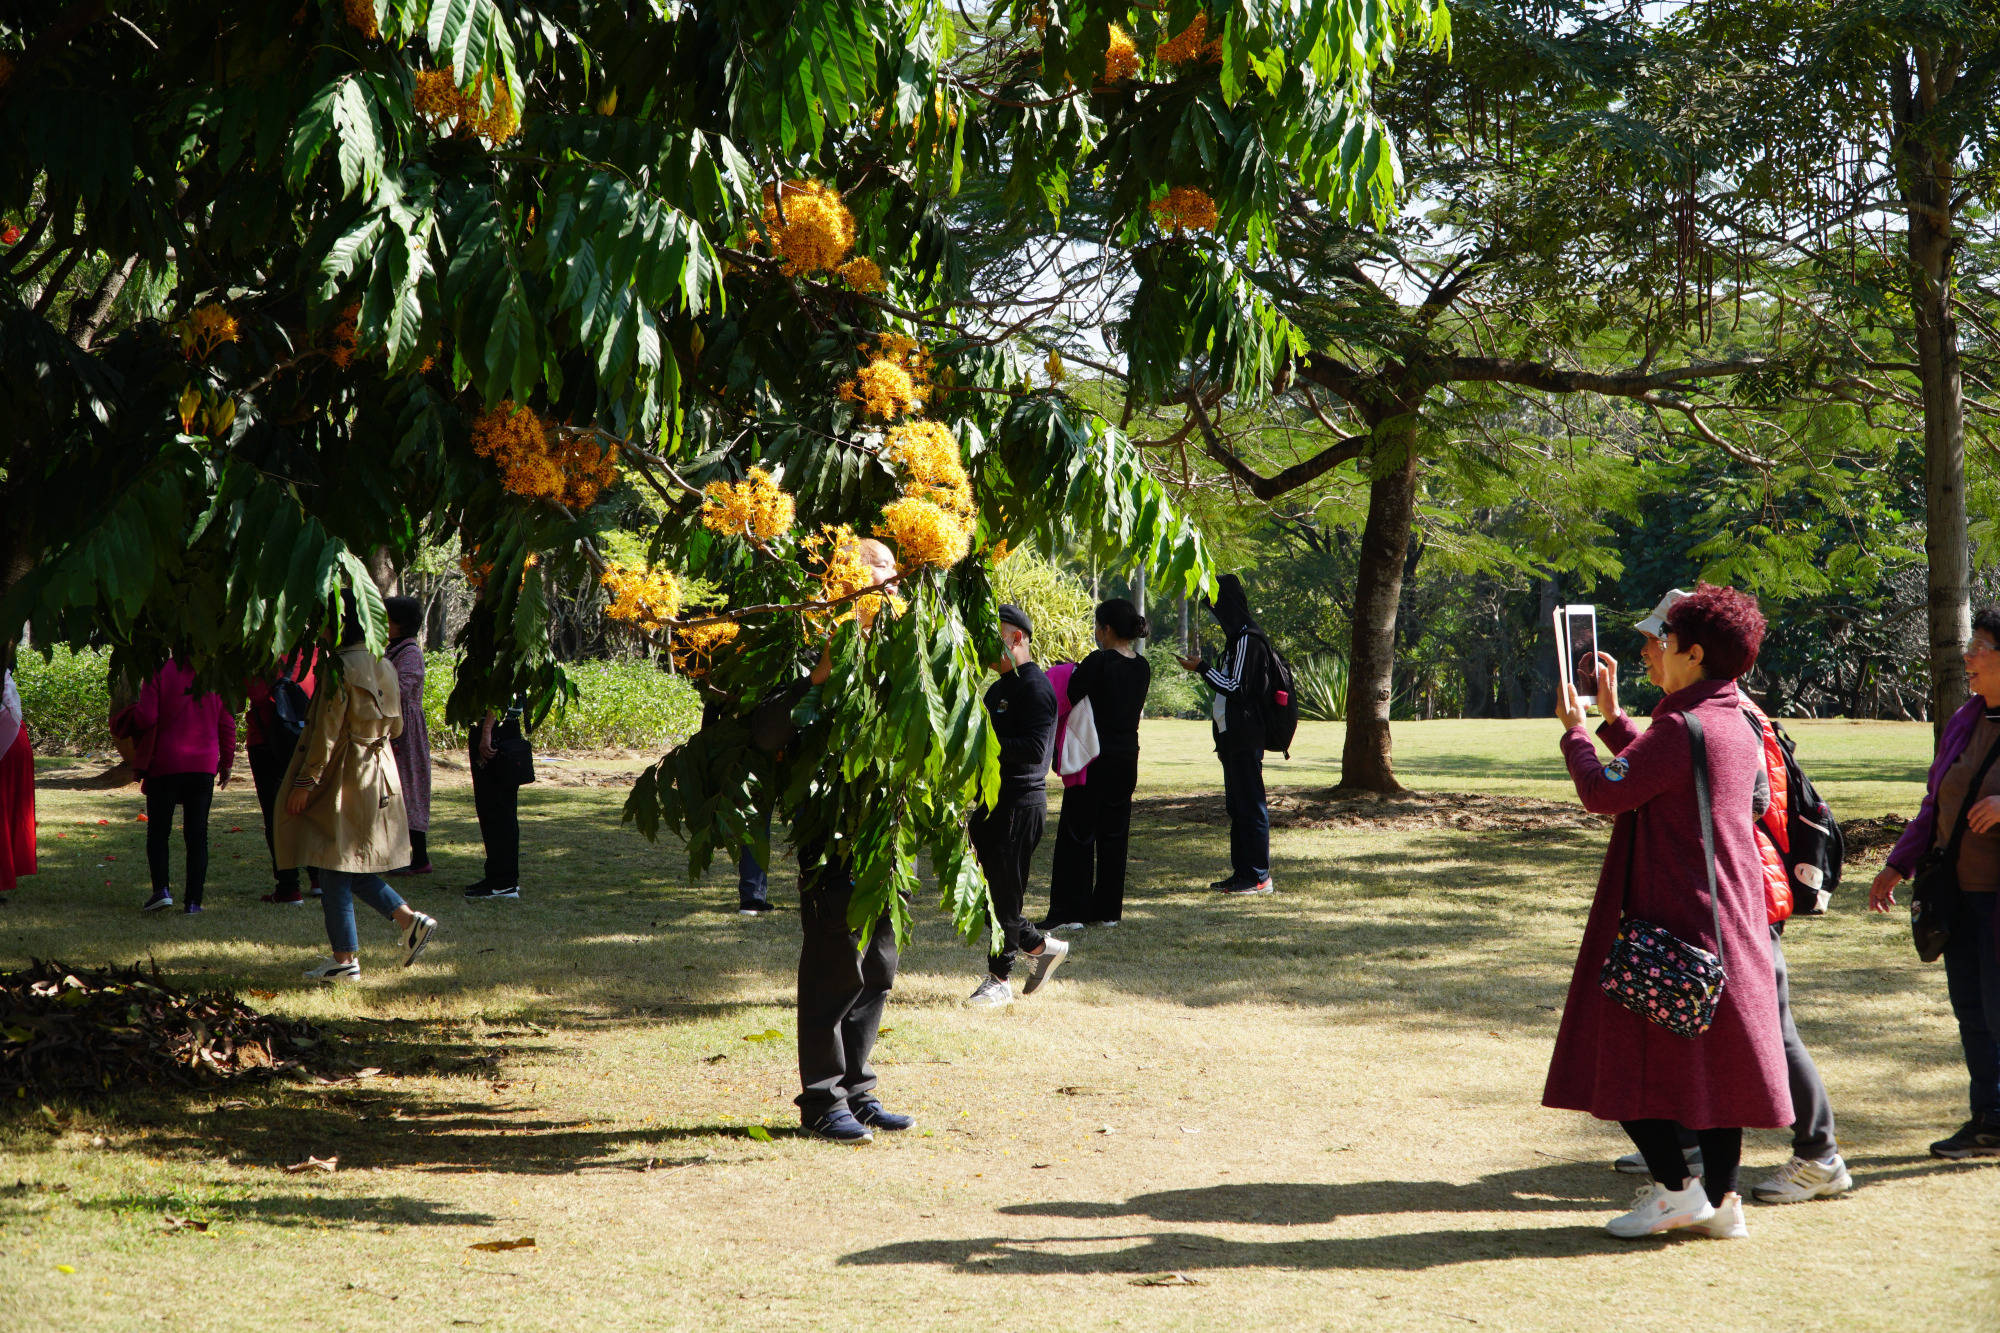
(1476, 812)
(1866, 835)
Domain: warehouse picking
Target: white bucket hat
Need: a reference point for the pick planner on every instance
(1656, 623)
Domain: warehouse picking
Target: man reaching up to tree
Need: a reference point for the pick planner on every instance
(1022, 708)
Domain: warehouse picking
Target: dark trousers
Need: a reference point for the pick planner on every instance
(842, 989)
(267, 770)
(1249, 814)
(420, 848)
(1093, 835)
(1972, 979)
(496, 799)
(1812, 1109)
(1005, 840)
(192, 794)
(752, 879)
(1659, 1141)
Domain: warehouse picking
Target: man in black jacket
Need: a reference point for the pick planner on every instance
(1022, 707)
(1241, 680)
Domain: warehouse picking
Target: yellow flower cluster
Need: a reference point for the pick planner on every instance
(928, 453)
(754, 505)
(1186, 207)
(1121, 58)
(862, 274)
(645, 598)
(534, 461)
(695, 648)
(837, 550)
(896, 380)
(999, 553)
(1055, 366)
(361, 17)
(816, 231)
(1192, 45)
(477, 570)
(207, 328)
(438, 98)
(923, 533)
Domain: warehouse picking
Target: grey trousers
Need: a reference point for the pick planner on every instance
(1812, 1127)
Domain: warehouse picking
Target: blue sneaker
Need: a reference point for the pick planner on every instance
(870, 1112)
(839, 1127)
(161, 900)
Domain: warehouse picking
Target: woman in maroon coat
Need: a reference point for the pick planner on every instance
(1608, 1060)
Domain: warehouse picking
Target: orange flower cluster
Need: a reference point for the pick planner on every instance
(438, 98)
(1186, 207)
(361, 18)
(862, 274)
(477, 571)
(1121, 58)
(754, 505)
(928, 453)
(207, 328)
(923, 533)
(346, 337)
(999, 553)
(538, 462)
(896, 380)
(816, 232)
(695, 648)
(645, 598)
(1192, 45)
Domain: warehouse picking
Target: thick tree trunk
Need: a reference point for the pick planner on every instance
(1365, 761)
(1928, 180)
(382, 568)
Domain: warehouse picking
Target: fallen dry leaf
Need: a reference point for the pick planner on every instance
(327, 1164)
(1166, 1280)
(495, 1246)
(768, 1034)
(185, 1223)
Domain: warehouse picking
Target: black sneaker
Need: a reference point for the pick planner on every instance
(161, 900)
(480, 893)
(1226, 882)
(1245, 889)
(1977, 1137)
(871, 1113)
(839, 1127)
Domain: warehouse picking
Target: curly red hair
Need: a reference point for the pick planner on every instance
(1727, 625)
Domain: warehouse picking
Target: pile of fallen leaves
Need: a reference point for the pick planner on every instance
(83, 1031)
(1471, 811)
(1866, 835)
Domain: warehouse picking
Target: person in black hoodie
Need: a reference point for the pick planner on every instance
(1022, 708)
(1240, 678)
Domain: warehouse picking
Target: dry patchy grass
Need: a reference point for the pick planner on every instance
(1320, 1107)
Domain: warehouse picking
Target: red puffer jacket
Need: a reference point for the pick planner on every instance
(1774, 839)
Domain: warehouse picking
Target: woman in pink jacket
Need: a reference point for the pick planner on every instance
(188, 742)
(1609, 1060)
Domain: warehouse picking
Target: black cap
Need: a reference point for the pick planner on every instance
(1011, 614)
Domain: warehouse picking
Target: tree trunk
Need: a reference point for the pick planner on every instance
(1365, 760)
(382, 568)
(1928, 180)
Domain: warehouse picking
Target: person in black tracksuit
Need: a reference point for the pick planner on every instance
(503, 761)
(1096, 822)
(1241, 679)
(1022, 708)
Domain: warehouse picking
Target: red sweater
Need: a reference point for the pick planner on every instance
(191, 733)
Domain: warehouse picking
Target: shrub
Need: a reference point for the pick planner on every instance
(625, 703)
(66, 700)
(1322, 682)
(1175, 693)
(1065, 617)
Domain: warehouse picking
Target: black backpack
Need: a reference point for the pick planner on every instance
(1818, 849)
(289, 705)
(1278, 702)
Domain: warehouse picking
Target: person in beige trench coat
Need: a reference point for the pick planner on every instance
(343, 813)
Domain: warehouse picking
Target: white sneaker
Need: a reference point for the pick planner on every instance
(1634, 1163)
(422, 929)
(1657, 1208)
(329, 970)
(1067, 925)
(1802, 1178)
(1726, 1222)
(991, 994)
(1041, 966)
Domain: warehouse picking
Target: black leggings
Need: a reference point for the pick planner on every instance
(192, 793)
(1659, 1141)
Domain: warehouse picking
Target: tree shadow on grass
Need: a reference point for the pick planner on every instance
(295, 1210)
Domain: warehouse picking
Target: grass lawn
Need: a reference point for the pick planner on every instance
(1322, 1106)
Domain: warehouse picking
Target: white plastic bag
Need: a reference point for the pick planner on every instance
(1079, 740)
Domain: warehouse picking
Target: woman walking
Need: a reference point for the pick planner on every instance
(344, 808)
(1608, 1059)
(413, 747)
(189, 740)
(17, 790)
(1087, 881)
(1962, 801)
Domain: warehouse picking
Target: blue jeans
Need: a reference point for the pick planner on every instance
(1972, 978)
(1249, 813)
(751, 879)
(338, 890)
